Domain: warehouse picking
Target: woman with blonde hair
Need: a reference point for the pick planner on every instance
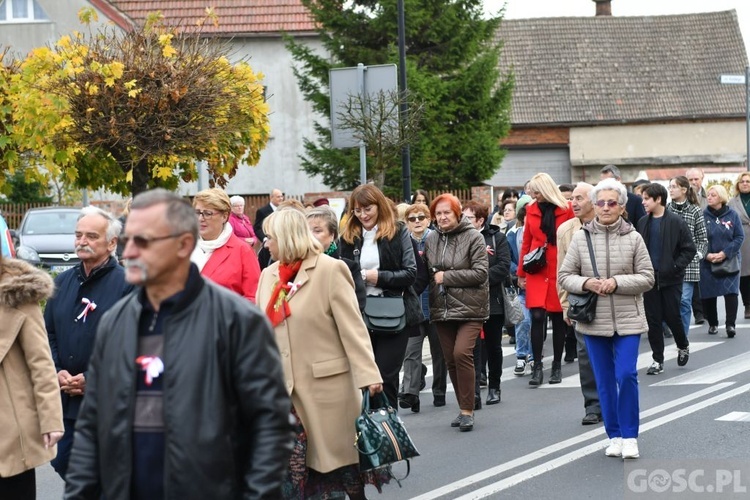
(543, 217)
(326, 355)
(30, 405)
(220, 255)
(740, 203)
(725, 237)
(382, 246)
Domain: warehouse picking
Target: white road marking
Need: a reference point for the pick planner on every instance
(735, 416)
(548, 450)
(711, 374)
(594, 447)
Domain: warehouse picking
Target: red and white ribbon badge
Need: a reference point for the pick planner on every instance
(90, 306)
(153, 366)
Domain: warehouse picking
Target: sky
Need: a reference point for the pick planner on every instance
(523, 9)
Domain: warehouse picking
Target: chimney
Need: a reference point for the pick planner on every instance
(603, 7)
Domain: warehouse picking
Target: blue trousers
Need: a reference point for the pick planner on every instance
(614, 362)
(64, 446)
(523, 331)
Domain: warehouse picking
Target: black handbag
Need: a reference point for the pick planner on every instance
(582, 306)
(536, 260)
(381, 437)
(726, 267)
(385, 314)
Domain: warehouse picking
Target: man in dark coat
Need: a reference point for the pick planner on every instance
(634, 205)
(83, 294)
(671, 248)
(275, 200)
(186, 396)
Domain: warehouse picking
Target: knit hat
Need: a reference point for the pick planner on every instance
(522, 202)
(321, 201)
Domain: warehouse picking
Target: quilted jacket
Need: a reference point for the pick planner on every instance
(461, 253)
(621, 254)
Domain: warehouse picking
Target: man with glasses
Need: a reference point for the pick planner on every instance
(186, 393)
(276, 197)
(83, 294)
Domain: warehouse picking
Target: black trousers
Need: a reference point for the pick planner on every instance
(492, 345)
(19, 487)
(389, 350)
(730, 305)
(745, 290)
(539, 333)
(697, 302)
(663, 306)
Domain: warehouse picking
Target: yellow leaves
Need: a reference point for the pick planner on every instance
(63, 42)
(134, 93)
(87, 15)
(129, 176)
(93, 89)
(168, 51)
(163, 172)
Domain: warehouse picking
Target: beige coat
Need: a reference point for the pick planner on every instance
(327, 356)
(564, 234)
(621, 254)
(30, 404)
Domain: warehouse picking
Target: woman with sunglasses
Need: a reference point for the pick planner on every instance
(543, 217)
(418, 222)
(220, 255)
(383, 248)
(740, 203)
(685, 204)
(612, 339)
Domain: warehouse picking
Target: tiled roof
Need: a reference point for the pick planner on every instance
(236, 17)
(624, 69)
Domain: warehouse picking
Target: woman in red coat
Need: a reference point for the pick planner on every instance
(543, 217)
(221, 256)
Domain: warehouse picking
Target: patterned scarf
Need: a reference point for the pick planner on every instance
(278, 309)
(332, 249)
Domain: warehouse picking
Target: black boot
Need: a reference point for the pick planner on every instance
(493, 396)
(477, 401)
(556, 376)
(537, 375)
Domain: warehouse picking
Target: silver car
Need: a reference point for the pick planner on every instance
(46, 237)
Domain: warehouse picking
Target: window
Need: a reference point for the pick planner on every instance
(21, 10)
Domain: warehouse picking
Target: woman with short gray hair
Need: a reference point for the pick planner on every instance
(240, 222)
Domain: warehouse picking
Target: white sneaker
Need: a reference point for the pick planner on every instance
(630, 448)
(615, 448)
(520, 369)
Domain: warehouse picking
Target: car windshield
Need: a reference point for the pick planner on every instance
(51, 223)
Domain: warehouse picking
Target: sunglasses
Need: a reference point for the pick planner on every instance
(609, 203)
(143, 242)
(419, 218)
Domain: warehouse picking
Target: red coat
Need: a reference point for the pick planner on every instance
(234, 266)
(541, 288)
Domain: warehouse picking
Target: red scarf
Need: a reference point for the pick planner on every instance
(277, 309)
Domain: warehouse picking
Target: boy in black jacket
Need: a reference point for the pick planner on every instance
(671, 249)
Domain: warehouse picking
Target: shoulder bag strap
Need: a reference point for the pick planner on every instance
(591, 253)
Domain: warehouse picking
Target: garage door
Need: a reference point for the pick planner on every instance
(520, 165)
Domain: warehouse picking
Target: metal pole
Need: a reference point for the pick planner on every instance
(747, 117)
(403, 105)
(362, 147)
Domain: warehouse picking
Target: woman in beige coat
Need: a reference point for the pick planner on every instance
(326, 354)
(613, 337)
(30, 406)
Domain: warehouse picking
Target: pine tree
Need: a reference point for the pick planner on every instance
(452, 68)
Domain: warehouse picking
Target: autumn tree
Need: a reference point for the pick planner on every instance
(132, 110)
(452, 69)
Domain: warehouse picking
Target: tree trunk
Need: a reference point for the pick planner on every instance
(140, 177)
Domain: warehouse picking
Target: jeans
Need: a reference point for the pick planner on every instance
(614, 361)
(686, 304)
(523, 331)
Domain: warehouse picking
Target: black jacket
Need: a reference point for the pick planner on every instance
(260, 216)
(226, 409)
(397, 271)
(71, 341)
(499, 270)
(634, 208)
(678, 248)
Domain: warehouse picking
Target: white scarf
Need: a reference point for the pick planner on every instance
(205, 248)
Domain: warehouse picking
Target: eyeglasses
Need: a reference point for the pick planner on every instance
(143, 242)
(609, 203)
(206, 214)
(368, 210)
(745, 181)
(419, 218)
(470, 217)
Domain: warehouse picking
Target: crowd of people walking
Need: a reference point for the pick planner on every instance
(190, 342)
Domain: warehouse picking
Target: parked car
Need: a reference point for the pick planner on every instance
(6, 241)
(46, 237)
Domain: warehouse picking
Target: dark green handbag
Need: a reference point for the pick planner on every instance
(381, 436)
